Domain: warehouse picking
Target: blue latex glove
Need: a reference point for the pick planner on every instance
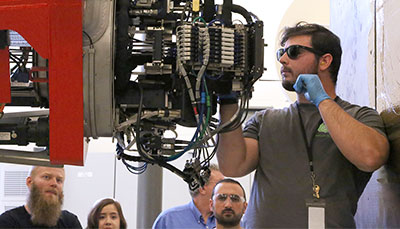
(311, 86)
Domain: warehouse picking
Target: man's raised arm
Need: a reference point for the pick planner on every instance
(237, 156)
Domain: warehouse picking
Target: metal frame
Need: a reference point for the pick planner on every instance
(54, 29)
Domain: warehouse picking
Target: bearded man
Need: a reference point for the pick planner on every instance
(44, 205)
(228, 203)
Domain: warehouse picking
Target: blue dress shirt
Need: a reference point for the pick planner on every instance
(185, 216)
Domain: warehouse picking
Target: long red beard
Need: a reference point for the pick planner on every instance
(45, 212)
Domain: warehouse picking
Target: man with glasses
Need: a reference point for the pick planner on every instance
(195, 214)
(314, 158)
(228, 203)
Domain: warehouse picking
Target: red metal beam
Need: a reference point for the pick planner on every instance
(5, 94)
(54, 29)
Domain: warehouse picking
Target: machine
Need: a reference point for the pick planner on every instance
(147, 66)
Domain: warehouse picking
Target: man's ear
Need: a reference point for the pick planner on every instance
(211, 205)
(325, 61)
(29, 182)
(244, 207)
(202, 190)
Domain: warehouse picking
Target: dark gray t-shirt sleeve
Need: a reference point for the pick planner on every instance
(371, 118)
(252, 126)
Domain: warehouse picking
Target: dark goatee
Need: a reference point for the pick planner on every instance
(288, 85)
(232, 221)
(44, 212)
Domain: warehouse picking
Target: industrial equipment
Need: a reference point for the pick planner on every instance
(147, 66)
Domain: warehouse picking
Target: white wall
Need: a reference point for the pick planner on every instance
(356, 80)
(12, 185)
(84, 185)
(387, 54)
(369, 76)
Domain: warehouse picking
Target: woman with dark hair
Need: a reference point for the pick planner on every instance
(107, 213)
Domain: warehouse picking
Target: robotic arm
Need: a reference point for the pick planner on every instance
(189, 53)
(150, 65)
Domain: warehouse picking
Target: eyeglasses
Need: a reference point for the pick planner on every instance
(234, 198)
(293, 51)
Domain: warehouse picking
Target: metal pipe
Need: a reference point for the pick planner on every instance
(149, 203)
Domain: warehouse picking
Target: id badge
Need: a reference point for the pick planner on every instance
(316, 213)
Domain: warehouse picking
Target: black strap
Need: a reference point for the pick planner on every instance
(308, 146)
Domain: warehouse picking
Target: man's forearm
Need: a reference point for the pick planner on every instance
(365, 147)
(231, 152)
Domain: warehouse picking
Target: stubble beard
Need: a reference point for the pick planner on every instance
(232, 221)
(45, 212)
(288, 85)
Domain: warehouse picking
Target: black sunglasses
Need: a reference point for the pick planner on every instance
(293, 51)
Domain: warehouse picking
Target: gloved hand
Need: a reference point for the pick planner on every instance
(311, 86)
(230, 98)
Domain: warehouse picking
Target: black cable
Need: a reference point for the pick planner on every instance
(141, 151)
(138, 120)
(135, 169)
(242, 11)
(121, 63)
(122, 155)
(226, 16)
(17, 61)
(234, 123)
(243, 108)
(239, 119)
(90, 39)
(140, 41)
(15, 58)
(173, 169)
(183, 15)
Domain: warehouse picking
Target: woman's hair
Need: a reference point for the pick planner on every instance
(94, 215)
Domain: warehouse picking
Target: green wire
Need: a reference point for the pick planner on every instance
(201, 19)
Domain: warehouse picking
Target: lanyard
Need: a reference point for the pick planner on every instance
(316, 188)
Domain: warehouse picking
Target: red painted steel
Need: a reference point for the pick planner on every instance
(5, 94)
(38, 69)
(54, 29)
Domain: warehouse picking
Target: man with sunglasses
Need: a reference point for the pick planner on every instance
(314, 158)
(228, 203)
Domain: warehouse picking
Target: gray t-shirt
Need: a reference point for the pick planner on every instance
(282, 181)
